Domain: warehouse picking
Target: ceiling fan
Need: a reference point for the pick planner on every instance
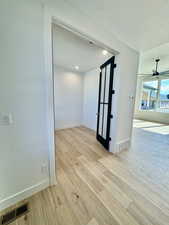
(155, 72)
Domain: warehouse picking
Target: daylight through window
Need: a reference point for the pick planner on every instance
(155, 95)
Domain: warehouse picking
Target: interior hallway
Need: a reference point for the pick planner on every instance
(97, 188)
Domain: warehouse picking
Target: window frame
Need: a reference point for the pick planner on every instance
(147, 79)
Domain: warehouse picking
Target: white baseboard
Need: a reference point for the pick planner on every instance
(26, 193)
(122, 145)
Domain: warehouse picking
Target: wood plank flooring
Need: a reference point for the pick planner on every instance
(97, 188)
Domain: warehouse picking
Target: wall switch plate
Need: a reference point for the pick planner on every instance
(5, 119)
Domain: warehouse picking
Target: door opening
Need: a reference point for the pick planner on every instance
(72, 64)
(104, 114)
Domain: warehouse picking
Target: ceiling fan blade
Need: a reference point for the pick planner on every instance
(144, 74)
(155, 72)
(164, 73)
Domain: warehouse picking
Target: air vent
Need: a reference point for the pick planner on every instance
(21, 210)
(14, 214)
(8, 218)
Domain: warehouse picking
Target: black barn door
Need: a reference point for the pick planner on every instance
(104, 115)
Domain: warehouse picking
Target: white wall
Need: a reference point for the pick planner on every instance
(68, 98)
(125, 87)
(24, 143)
(153, 116)
(90, 99)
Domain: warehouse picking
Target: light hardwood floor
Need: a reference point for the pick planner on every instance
(97, 188)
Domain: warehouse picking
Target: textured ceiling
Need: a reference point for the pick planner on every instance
(147, 59)
(70, 51)
(140, 24)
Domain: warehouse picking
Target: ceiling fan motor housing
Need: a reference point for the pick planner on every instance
(155, 73)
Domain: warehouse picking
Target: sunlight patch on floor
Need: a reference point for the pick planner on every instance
(164, 130)
(152, 127)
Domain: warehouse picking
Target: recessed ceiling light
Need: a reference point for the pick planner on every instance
(104, 52)
(77, 67)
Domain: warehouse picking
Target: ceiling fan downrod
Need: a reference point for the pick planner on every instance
(155, 73)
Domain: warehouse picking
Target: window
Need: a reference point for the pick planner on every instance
(155, 95)
(164, 96)
(149, 95)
